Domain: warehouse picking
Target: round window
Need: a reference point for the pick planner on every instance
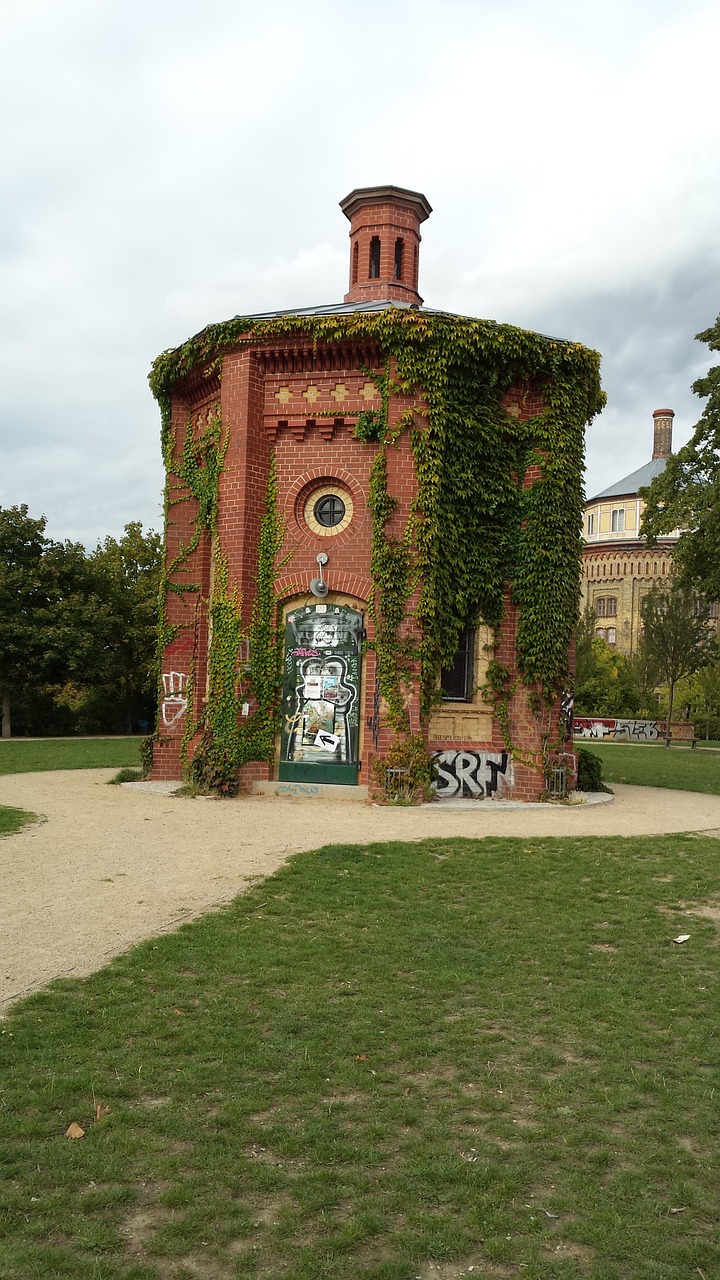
(329, 510)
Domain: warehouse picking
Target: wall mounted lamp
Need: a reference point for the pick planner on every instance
(319, 586)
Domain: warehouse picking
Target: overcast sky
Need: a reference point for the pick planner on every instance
(167, 165)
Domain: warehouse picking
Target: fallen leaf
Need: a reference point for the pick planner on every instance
(682, 937)
(550, 1215)
(74, 1131)
(406, 1092)
(680, 1210)
(361, 1057)
(101, 1111)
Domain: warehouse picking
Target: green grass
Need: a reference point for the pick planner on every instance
(38, 755)
(648, 765)
(487, 1053)
(12, 820)
(126, 775)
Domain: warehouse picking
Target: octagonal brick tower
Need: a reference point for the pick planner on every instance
(384, 243)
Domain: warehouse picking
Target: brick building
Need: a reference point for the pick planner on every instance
(369, 559)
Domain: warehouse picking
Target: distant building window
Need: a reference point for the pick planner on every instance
(713, 609)
(611, 635)
(606, 606)
(457, 681)
(591, 522)
(600, 633)
(356, 252)
(618, 520)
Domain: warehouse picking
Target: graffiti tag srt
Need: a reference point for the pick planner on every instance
(470, 774)
(174, 703)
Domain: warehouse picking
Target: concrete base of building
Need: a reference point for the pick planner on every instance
(311, 791)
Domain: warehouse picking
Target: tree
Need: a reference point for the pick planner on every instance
(77, 631)
(127, 580)
(708, 683)
(677, 640)
(686, 495)
(606, 682)
(22, 595)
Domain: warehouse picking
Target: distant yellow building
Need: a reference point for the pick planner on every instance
(618, 568)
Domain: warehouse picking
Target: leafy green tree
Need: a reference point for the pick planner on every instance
(584, 653)
(605, 685)
(645, 677)
(126, 576)
(77, 631)
(677, 639)
(686, 495)
(22, 596)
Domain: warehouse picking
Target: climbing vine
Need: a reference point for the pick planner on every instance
(475, 529)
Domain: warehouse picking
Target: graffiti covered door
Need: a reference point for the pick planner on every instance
(321, 695)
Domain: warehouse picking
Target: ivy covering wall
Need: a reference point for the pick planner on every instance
(475, 530)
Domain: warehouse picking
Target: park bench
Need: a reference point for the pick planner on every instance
(682, 733)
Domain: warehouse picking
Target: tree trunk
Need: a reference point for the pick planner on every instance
(6, 730)
(671, 698)
(128, 706)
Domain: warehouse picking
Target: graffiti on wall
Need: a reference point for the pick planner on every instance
(174, 702)
(567, 713)
(473, 775)
(630, 730)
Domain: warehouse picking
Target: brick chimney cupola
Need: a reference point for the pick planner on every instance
(662, 444)
(384, 243)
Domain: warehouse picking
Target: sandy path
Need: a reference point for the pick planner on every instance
(112, 866)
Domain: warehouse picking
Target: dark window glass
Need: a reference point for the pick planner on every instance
(374, 258)
(398, 259)
(456, 682)
(329, 510)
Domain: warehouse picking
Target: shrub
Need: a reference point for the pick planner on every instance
(589, 773)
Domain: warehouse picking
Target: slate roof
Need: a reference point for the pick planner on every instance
(636, 480)
(383, 304)
(333, 309)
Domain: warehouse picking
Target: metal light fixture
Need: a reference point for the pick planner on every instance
(319, 586)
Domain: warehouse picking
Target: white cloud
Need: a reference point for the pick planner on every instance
(169, 165)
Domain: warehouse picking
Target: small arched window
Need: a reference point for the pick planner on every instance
(399, 249)
(355, 262)
(374, 271)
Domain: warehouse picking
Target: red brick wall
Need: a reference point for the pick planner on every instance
(303, 403)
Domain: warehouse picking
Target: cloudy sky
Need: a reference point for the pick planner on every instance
(164, 165)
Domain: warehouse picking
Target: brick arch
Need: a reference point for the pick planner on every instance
(316, 476)
(343, 583)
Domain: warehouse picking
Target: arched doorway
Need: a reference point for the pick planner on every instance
(320, 739)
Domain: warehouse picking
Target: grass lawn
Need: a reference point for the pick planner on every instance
(647, 765)
(38, 755)
(386, 1062)
(13, 819)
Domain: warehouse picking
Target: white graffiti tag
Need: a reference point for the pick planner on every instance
(174, 703)
(632, 730)
(472, 774)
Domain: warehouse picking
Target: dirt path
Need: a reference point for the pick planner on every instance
(111, 866)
